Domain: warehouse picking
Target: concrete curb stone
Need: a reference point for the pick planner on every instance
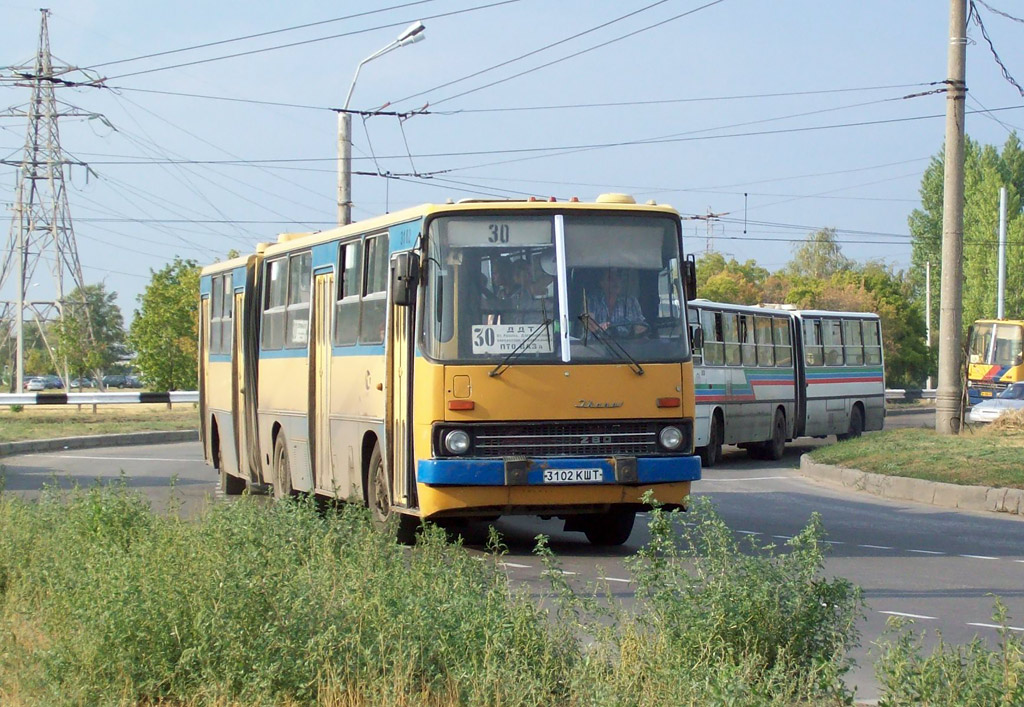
(901, 488)
(91, 441)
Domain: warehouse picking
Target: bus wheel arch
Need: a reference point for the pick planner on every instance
(214, 443)
(369, 443)
(280, 470)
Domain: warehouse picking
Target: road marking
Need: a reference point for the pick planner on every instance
(927, 552)
(909, 616)
(115, 459)
(834, 542)
(515, 565)
(877, 547)
(562, 572)
(616, 579)
(980, 557)
(783, 537)
(754, 532)
(1012, 628)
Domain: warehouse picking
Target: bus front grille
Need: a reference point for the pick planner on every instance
(570, 439)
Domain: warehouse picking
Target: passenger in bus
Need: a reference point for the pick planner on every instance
(533, 301)
(614, 311)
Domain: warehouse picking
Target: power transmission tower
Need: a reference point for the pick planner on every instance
(709, 218)
(42, 239)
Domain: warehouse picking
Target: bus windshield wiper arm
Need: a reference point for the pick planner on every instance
(613, 346)
(520, 348)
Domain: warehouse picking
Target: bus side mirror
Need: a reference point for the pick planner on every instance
(405, 277)
(696, 337)
(690, 276)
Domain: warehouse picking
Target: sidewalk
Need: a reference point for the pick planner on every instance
(87, 442)
(901, 488)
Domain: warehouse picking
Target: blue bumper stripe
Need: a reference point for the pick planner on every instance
(491, 472)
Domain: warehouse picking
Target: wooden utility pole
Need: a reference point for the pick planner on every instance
(949, 393)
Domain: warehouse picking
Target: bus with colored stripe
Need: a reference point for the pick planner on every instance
(766, 375)
(445, 362)
(995, 357)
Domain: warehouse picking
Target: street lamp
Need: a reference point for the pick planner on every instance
(412, 34)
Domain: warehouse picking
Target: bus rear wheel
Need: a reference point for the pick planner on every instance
(282, 470)
(230, 484)
(856, 425)
(609, 529)
(378, 498)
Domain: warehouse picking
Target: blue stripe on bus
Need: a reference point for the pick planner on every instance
(325, 255)
(220, 358)
(403, 236)
(238, 278)
(491, 472)
(358, 350)
(284, 353)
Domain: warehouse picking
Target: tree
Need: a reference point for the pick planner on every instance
(819, 256)
(90, 335)
(724, 280)
(165, 330)
(985, 171)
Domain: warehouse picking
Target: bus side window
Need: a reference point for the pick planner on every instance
(763, 335)
(346, 309)
(216, 313)
(783, 344)
(852, 344)
(711, 323)
(274, 304)
(300, 274)
(375, 277)
(226, 324)
(812, 342)
(872, 342)
(748, 348)
(832, 340)
(730, 335)
(696, 336)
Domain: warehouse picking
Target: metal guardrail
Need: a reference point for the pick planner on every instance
(897, 394)
(119, 398)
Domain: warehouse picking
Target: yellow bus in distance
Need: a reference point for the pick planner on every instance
(995, 357)
(466, 360)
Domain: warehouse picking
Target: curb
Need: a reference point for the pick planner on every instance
(92, 441)
(901, 488)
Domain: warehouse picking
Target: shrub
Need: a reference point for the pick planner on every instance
(973, 675)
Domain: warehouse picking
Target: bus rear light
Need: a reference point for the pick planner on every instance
(668, 402)
(461, 405)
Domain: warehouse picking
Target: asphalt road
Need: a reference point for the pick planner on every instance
(938, 567)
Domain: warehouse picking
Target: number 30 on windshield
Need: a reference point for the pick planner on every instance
(499, 233)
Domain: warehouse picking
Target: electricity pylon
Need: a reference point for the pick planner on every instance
(41, 237)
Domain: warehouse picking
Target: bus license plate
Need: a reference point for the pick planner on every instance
(573, 476)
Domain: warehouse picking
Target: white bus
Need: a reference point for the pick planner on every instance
(765, 375)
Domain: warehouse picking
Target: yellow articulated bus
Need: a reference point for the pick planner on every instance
(465, 360)
(995, 357)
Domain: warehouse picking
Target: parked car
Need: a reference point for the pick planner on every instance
(114, 381)
(53, 382)
(132, 382)
(83, 383)
(35, 384)
(1010, 399)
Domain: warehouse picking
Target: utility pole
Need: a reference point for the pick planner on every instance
(41, 229)
(708, 219)
(1001, 297)
(928, 315)
(950, 391)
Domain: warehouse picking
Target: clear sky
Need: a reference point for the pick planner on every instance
(784, 117)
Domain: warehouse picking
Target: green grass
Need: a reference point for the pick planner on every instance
(34, 422)
(982, 456)
(103, 602)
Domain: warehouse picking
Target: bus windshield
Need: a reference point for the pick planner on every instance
(494, 288)
(996, 344)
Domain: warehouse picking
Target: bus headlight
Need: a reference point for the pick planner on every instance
(456, 442)
(670, 437)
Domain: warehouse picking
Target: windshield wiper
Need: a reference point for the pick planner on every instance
(521, 347)
(613, 346)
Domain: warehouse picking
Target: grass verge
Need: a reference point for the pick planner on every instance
(104, 602)
(980, 456)
(68, 421)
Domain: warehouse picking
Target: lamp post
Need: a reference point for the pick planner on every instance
(413, 33)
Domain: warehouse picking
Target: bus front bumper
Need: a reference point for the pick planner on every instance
(518, 471)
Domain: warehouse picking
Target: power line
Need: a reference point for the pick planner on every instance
(312, 41)
(582, 51)
(261, 34)
(992, 48)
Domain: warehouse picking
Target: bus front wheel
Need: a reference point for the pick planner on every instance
(378, 498)
(609, 529)
(856, 425)
(282, 470)
(712, 454)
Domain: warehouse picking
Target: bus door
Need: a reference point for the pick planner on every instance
(402, 469)
(204, 362)
(320, 382)
(238, 406)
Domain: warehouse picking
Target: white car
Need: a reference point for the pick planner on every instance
(35, 384)
(1010, 399)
